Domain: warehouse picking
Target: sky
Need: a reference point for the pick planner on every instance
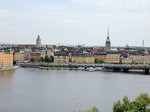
(73, 22)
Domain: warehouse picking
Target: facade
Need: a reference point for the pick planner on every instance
(47, 52)
(35, 56)
(126, 60)
(113, 57)
(38, 41)
(139, 59)
(100, 56)
(108, 43)
(27, 54)
(83, 59)
(19, 57)
(147, 59)
(61, 57)
(6, 60)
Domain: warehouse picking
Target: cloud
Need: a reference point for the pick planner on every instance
(121, 4)
(4, 13)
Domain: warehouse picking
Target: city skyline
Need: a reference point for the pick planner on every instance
(75, 22)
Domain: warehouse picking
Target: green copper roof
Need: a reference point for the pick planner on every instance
(107, 40)
(38, 38)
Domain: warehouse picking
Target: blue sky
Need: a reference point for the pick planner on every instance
(73, 22)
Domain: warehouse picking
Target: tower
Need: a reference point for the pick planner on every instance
(108, 43)
(38, 41)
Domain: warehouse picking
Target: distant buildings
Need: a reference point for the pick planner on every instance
(61, 57)
(101, 56)
(113, 57)
(82, 58)
(19, 57)
(6, 60)
(72, 54)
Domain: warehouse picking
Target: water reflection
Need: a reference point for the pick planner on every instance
(6, 74)
(35, 90)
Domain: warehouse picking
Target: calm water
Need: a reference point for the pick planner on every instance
(35, 90)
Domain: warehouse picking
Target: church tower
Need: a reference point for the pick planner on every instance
(38, 41)
(108, 43)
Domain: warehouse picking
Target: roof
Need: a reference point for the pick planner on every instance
(82, 55)
(38, 38)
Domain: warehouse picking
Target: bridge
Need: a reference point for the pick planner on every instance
(114, 67)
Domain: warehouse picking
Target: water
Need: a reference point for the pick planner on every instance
(35, 90)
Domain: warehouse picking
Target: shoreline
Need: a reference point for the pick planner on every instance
(9, 69)
(140, 72)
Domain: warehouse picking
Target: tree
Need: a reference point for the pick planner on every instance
(139, 105)
(126, 100)
(46, 59)
(99, 61)
(94, 109)
(143, 98)
(118, 107)
(51, 58)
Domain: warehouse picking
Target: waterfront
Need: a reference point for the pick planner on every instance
(36, 90)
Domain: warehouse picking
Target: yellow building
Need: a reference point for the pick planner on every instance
(147, 59)
(126, 60)
(100, 56)
(83, 59)
(113, 57)
(61, 59)
(19, 57)
(137, 59)
(6, 60)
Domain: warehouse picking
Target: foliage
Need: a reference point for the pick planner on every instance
(139, 105)
(99, 61)
(143, 98)
(47, 59)
(94, 109)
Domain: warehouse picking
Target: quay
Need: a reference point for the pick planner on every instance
(113, 67)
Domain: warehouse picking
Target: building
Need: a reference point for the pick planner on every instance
(113, 57)
(82, 58)
(38, 41)
(101, 56)
(19, 57)
(126, 60)
(27, 54)
(61, 57)
(35, 56)
(139, 59)
(108, 43)
(6, 60)
(47, 53)
(147, 59)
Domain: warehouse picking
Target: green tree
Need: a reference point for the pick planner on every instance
(51, 58)
(143, 98)
(118, 107)
(46, 59)
(94, 109)
(139, 105)
(126, 100)
(99, 61)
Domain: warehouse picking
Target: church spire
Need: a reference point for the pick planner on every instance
(108, 33)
